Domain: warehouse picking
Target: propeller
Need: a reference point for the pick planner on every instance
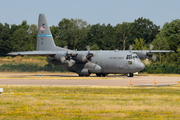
(74, 53)
(154, 57)
(147, 61)
(70, 63)
(150, 48)
(130, 47)
(67, 56)
(88, 48)
(89, 55)
(149, 54)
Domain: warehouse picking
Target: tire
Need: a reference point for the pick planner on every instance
(103, 75)
(81, 75)
(87, 75)
(130, 75)
(98, 74)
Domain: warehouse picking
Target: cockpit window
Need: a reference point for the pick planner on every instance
(129, 57)
(135, 56)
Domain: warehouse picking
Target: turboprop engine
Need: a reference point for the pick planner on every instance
(64, 58)
(87, 68)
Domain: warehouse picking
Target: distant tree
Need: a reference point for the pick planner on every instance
(19, 40)
(123, 32)
(139, 44)
(160, 43)
(94, 47)
(145, 29)
(171, 31)
(32, 38)
(95, 35)
(4, 39)
(71, 32)
(24, 25)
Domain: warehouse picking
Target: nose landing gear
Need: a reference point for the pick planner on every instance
(130, 75)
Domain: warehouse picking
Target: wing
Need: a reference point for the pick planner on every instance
(146, 53)
(152, 51)
(33, 53)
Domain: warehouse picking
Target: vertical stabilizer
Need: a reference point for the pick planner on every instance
(45, 40)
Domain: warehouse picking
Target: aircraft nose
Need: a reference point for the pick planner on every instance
(139, 66)
(142, 66)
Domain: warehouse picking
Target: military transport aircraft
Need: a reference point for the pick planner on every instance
(86, 62)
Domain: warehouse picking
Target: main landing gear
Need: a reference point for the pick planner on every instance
(101, 74)
(84, 75)
(130, 75)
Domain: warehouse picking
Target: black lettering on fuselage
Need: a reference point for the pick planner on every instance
(116, 57)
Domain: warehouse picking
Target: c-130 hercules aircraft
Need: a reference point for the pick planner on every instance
(86, 62)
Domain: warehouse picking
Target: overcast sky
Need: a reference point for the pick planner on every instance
(91, 11)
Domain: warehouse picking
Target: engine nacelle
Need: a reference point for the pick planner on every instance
(80, 58)
(58, 57)
(149, 54)
(144, 56)
(83, 72)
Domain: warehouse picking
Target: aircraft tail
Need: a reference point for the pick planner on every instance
(45, 40)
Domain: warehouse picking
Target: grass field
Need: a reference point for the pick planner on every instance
(89, 102)
(40, 60)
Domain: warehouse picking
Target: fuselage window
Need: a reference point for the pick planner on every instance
(135, 57)
(129, 57)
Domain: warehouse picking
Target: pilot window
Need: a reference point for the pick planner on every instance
(129, 57)
(135, 57)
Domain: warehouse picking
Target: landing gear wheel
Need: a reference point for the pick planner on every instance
(98, 74)
(87, 75)
(130, 75)
(103, 75)
(81, 75)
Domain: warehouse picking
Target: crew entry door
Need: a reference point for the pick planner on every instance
(128, 64)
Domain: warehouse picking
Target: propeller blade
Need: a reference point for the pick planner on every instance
(66, 49)
(143, 52)
(63, 59)
(94, 54)
(154, 57)
(130, 47)
(147, 61)
(74, 53)
(70, 64)
(88, 48)
(84, 58)
(151, 47)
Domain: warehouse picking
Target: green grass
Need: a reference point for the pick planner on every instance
(88, 102)
(41, 60)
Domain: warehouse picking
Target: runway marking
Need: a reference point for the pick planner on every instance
(60, 78)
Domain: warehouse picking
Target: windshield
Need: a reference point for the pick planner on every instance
(135, 56)
(129, 57)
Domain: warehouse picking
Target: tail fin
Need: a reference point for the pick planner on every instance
(45, 40)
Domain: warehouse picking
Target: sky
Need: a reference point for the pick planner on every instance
(92, 11)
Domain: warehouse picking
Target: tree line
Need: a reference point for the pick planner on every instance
(77, 34)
